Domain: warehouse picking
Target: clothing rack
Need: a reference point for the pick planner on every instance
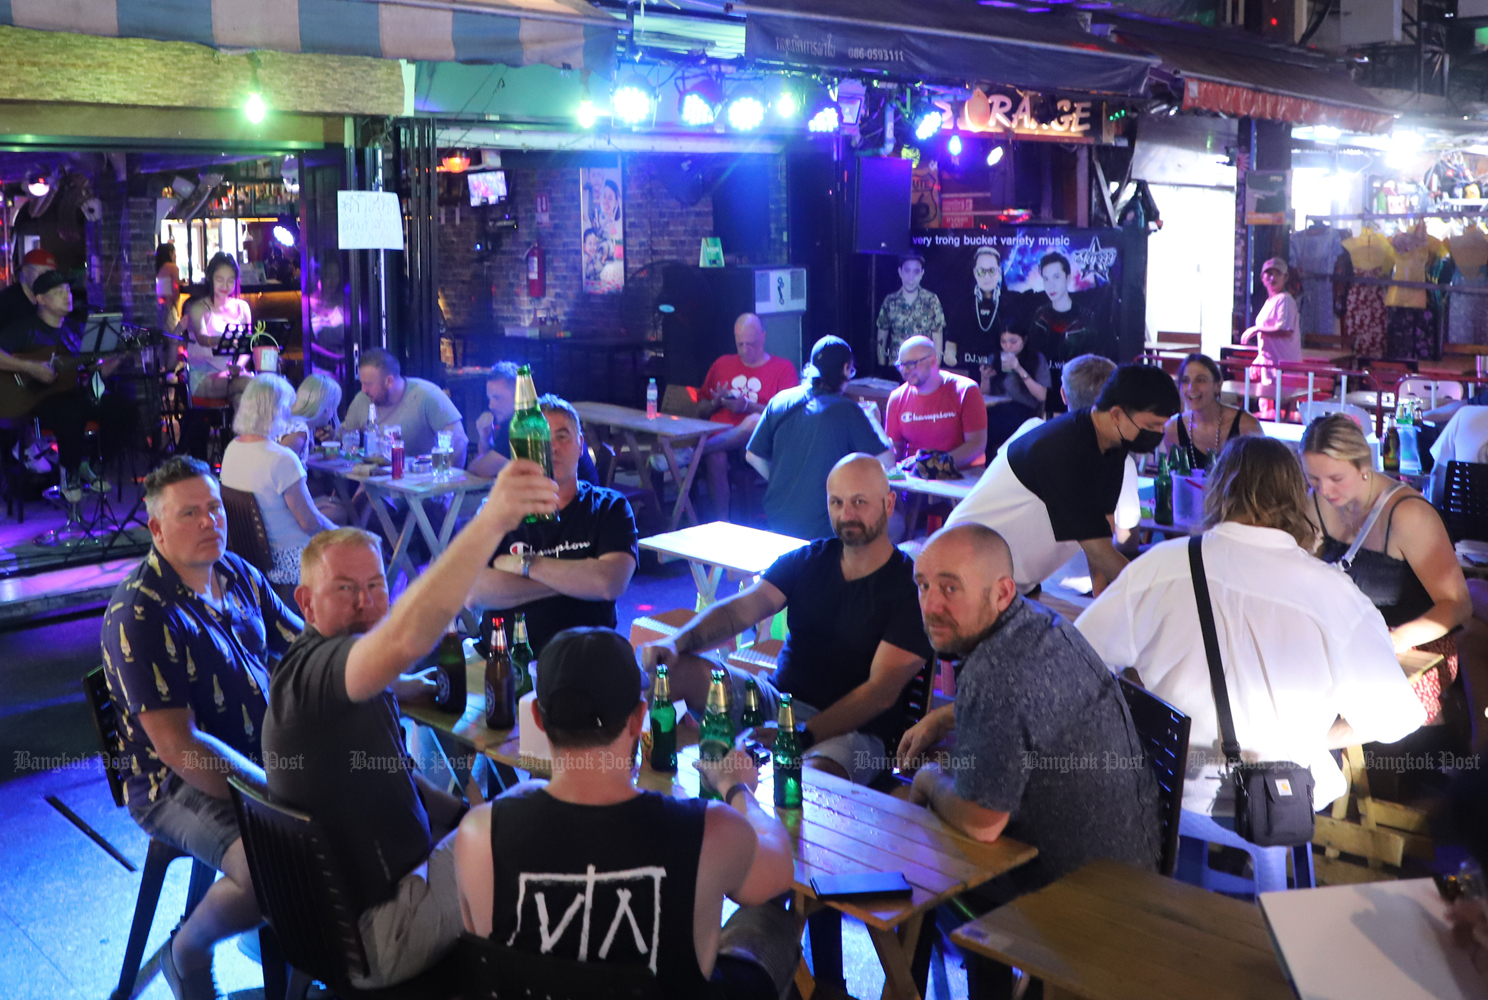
(1425, 286)
(1396, 217)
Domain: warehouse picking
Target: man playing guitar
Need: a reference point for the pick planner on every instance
(66, 412)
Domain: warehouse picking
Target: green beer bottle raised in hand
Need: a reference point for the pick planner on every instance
(530, 436)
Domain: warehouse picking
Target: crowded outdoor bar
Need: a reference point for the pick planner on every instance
(758, 500)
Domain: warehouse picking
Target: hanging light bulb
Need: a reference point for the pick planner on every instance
(586, 114)
(994, 157)
(255, 108)
(954, 146)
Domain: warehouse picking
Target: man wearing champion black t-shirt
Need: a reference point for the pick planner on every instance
(569, 572)
(1053, 491)
(855, 638)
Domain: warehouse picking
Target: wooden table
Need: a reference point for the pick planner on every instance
(666, 432)
(718, 546)
(1113, 932)
(843, 828)
(414, 490)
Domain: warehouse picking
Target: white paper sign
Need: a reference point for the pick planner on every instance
(368, 220)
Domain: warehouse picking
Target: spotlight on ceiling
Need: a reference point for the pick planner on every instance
(38, 185)
(928, 124)
(825, 120)
(746, 110)
(586, 115)
(700, 103)
(632, 100)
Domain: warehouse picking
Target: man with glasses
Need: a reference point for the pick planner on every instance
(909, 311)
(935, 410)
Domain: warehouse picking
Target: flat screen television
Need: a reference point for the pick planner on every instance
(487, 187)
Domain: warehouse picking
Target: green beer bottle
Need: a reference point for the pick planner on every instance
(1182, 461)
(530, 436)
(449, 673)
(716, 740)
(754, 715)
(787, 758)
(1162, 493)
(521, 656)
(663, 724)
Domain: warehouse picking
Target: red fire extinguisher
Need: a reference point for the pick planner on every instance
(537, 272)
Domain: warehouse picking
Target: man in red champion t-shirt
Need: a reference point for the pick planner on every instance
(934, 409)
(735, 391)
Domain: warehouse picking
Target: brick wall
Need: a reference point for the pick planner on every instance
(484, 291)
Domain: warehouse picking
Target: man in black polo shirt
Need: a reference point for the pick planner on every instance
(855, 634)
(565, 573)
(66, 414)
(1053, 491)
(331, 738)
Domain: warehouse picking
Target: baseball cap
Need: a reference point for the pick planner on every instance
(47, 281)
(40, 258)
(828, 355)
(587, 678)
(1274, 264)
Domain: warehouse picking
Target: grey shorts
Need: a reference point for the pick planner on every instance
(858, 753)
(190, 820)
(766, 936)
(417, 927)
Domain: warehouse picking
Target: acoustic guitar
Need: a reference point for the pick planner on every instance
(20, 393)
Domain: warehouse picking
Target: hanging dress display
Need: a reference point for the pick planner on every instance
(1364, 309)
(1410, 320)
(1313, 253)
(1467, 315)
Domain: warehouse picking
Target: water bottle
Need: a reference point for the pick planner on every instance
(651, 400)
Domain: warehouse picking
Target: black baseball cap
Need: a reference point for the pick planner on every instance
(587, 678)
(46, 281)
(828, 355)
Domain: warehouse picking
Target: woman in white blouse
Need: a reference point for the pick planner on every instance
(256, 463)
(1307, 658)
(207, 318)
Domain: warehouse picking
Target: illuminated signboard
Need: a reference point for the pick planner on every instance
(1028, 116)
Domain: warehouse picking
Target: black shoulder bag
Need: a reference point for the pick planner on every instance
(1273, 799)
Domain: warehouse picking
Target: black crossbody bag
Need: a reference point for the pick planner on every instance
(1273, 799)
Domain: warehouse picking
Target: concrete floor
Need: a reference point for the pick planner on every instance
(65, 904)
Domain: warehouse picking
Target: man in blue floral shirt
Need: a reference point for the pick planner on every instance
(187, 644)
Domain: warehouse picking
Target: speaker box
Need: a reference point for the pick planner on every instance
(741, 211)
(882, 205)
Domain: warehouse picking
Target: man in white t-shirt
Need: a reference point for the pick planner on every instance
(417, 406)
(1464, 439)
(1054, 491)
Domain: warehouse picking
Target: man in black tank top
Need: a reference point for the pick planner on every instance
(589, 868)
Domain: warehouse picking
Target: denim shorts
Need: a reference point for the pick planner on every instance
(859, 754)
(190, 820)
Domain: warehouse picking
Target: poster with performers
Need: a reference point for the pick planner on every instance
(603, 227)
(1058, 286)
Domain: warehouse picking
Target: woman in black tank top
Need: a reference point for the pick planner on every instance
(1405, 565)
(1205, 423)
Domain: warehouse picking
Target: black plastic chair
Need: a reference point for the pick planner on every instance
(1464, 502)
(303, 895)
(246, 534)
(489, 971)
(159, 855)
(1163, 731)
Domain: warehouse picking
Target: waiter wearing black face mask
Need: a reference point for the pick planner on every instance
(1052, 492)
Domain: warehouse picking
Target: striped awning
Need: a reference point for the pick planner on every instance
(569, 34)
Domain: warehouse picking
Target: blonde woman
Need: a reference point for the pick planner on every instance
(1307, 659)
(1392, 542)
(257, 463)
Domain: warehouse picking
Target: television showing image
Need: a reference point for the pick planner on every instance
(487, 187)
